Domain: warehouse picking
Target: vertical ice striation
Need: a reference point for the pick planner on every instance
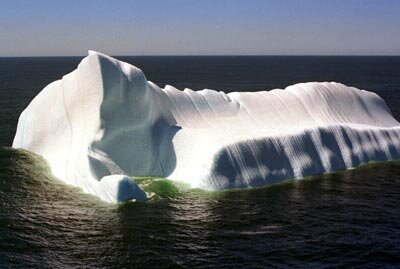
(106, 119)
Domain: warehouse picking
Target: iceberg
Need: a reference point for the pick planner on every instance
(104, 123)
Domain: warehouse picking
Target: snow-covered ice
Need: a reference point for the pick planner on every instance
(106, 119)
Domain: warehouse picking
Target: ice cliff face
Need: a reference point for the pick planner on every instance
(106, 119)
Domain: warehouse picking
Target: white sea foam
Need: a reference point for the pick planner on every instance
(105, 119)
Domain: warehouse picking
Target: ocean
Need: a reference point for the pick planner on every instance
(348, 219)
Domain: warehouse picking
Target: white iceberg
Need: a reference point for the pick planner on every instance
(106, 119)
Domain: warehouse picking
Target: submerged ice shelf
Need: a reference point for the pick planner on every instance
(105, 121)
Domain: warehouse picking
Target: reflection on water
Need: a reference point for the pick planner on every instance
(347, 218)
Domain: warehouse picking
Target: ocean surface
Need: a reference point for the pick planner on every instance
(348, 219)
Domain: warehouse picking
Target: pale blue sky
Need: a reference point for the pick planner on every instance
(200, 27)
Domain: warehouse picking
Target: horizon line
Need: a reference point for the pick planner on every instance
(214, 55)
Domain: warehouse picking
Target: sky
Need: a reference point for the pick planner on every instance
(199, 27)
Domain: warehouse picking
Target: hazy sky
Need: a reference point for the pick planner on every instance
(163, 27)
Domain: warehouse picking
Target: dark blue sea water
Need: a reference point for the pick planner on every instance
(349, 219)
